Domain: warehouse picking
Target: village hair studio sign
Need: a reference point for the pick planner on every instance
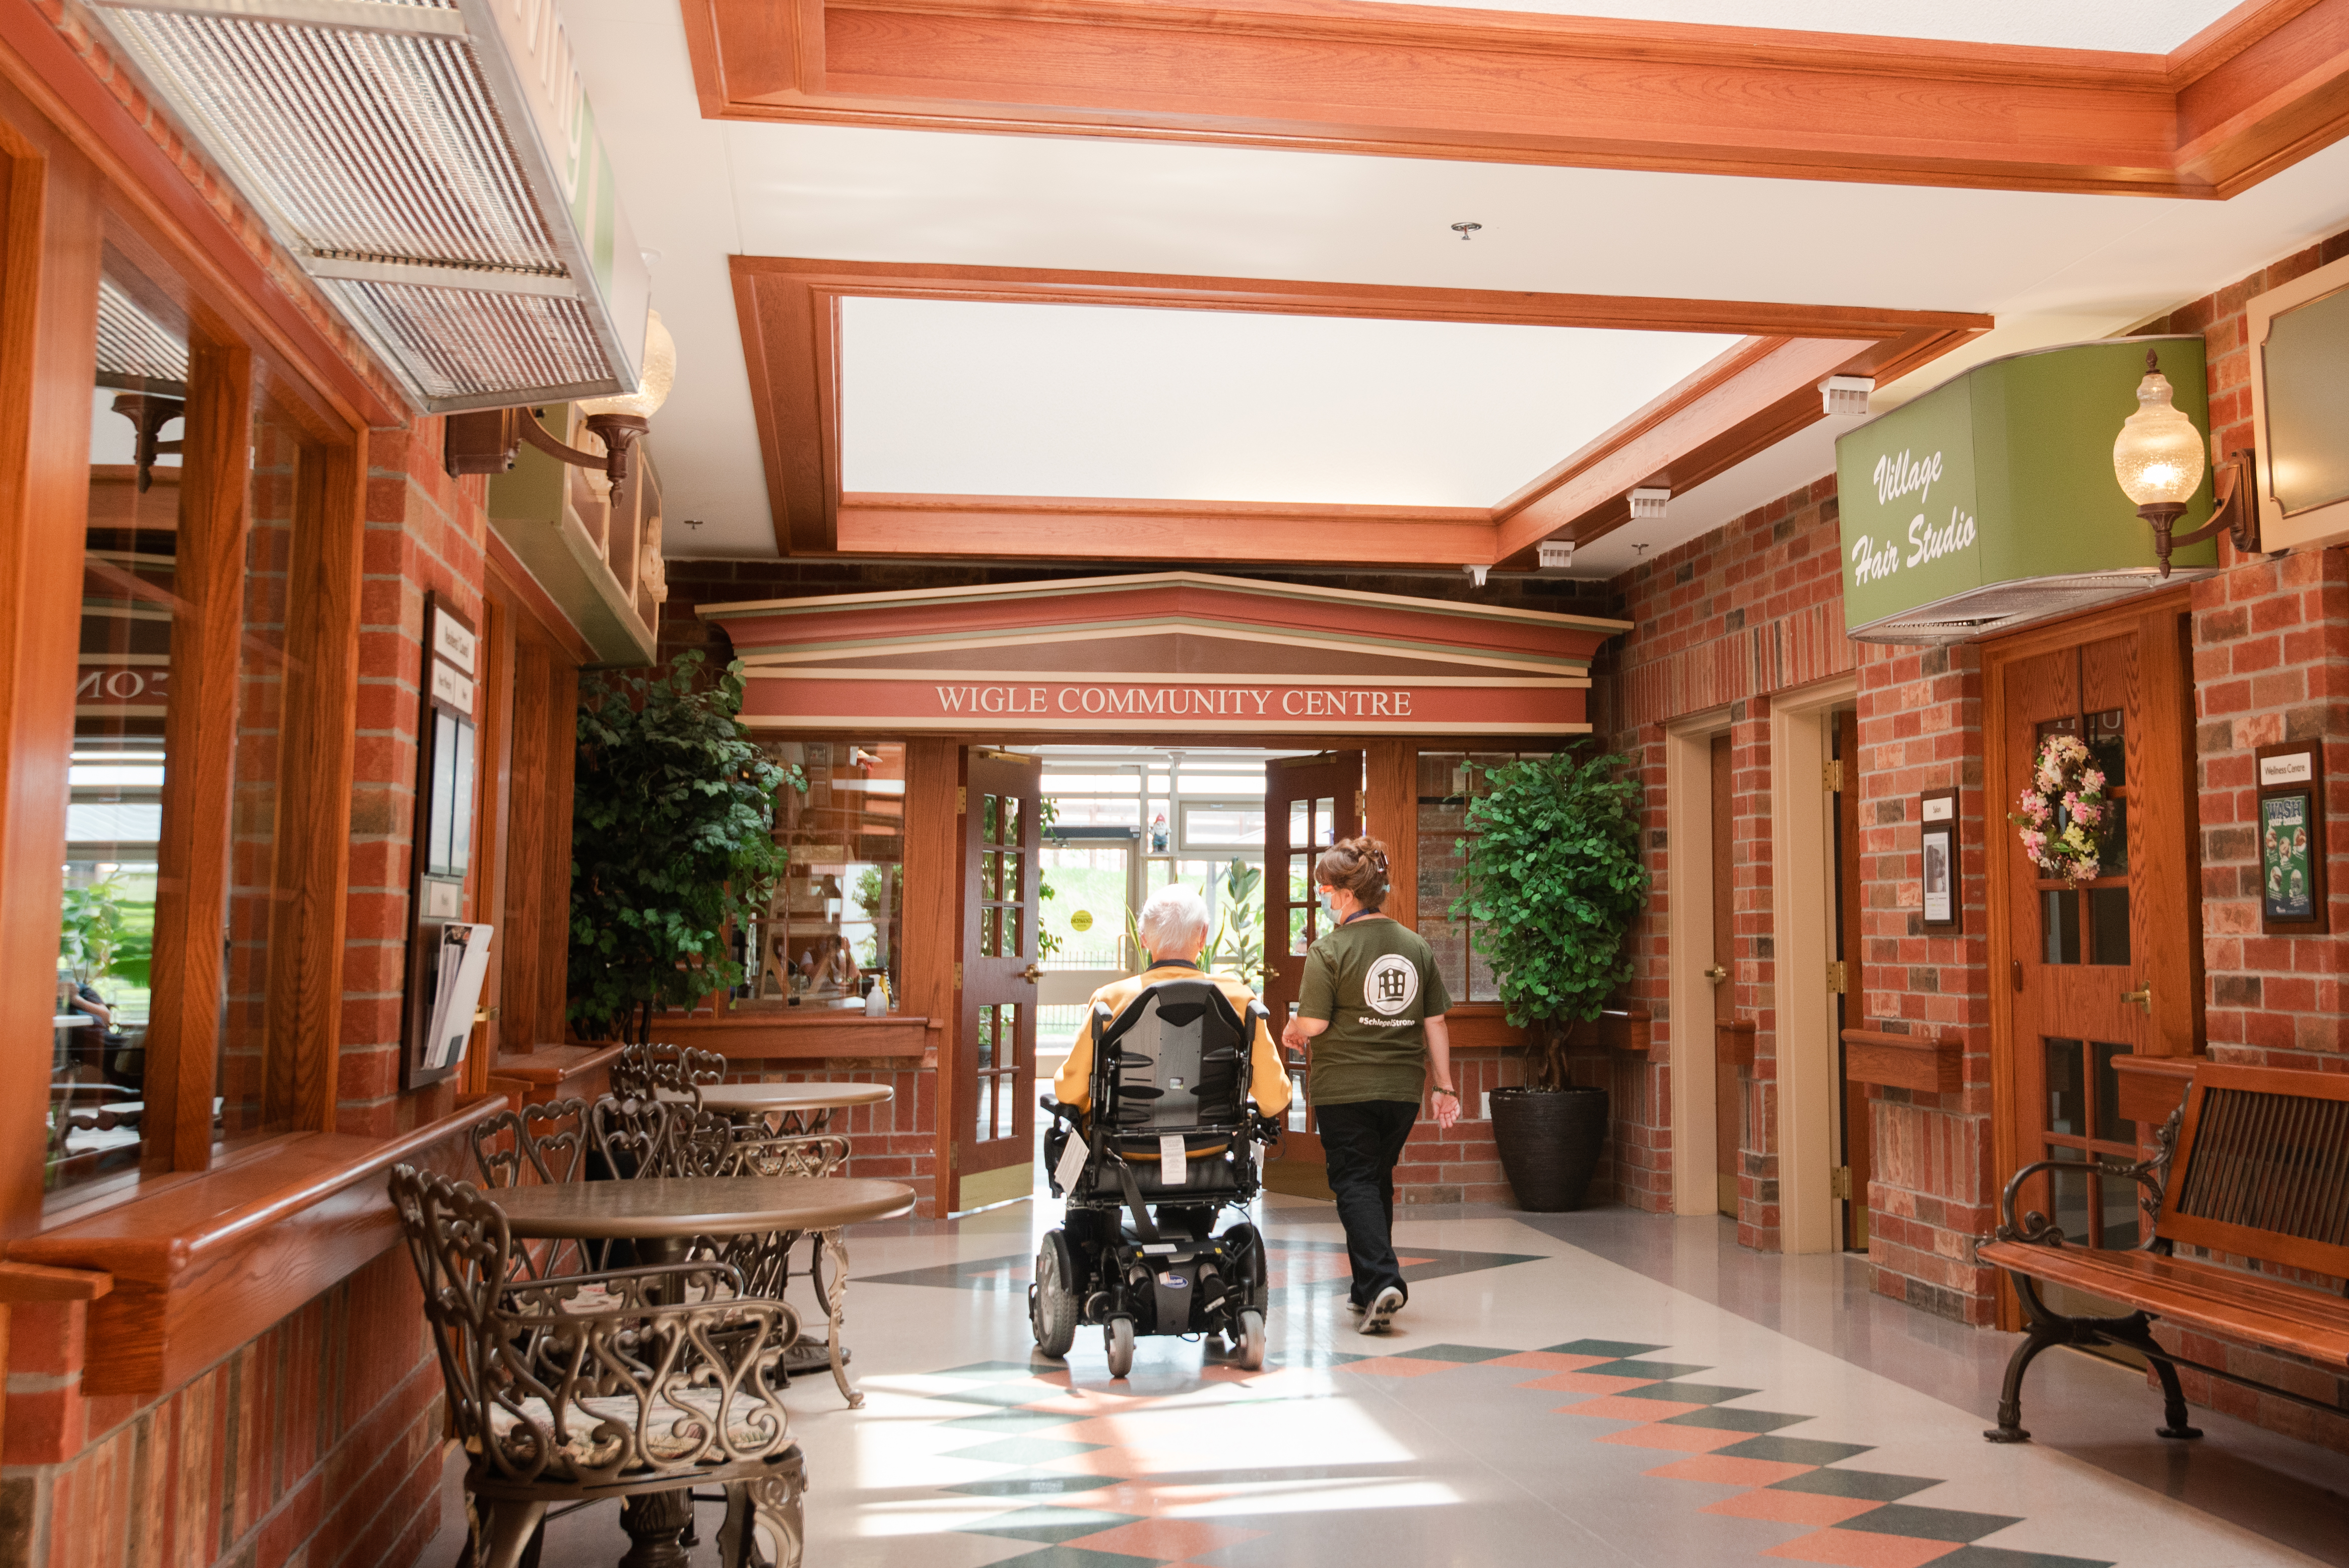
(1990, 502)
(1176, 653)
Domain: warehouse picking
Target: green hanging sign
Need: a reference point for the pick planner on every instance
(1991, 500)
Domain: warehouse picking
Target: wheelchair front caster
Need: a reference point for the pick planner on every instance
(1251, 1346)
(1118, 1337)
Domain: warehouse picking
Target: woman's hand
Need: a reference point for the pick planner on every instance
(1447, 1108)
(1299, 1036)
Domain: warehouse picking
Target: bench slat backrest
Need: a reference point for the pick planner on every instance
(2262, 1167)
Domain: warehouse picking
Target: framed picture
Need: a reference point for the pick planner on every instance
(1937, 811)
(447, 954)
(2290, 822)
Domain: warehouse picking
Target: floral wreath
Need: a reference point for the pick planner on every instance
(2064, 811)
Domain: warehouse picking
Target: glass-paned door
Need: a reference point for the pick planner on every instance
(996, 1045)
(2102, 968)
(1310, 803)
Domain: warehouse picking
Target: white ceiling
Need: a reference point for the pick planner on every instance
(2052, 267)
(964, 398)
(2147, 26)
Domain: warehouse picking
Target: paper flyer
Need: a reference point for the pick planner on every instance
(464, 964)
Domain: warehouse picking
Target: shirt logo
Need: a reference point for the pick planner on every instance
(1392, 985)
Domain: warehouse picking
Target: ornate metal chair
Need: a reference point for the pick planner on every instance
(555, 1405)
(640, 1069)
(548, 1142)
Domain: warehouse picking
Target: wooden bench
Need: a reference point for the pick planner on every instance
(2254, 1164)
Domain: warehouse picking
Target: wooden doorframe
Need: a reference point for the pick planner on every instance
(1688, 932)
(2165, 670)
(1802, 923)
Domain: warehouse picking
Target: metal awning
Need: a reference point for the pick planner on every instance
(433, 165)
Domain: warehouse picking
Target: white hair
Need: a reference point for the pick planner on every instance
(1175, 916)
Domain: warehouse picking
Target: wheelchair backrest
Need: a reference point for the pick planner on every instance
(1174, 1059)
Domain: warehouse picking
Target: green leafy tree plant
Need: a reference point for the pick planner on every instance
(672, 843)
(1554, 881)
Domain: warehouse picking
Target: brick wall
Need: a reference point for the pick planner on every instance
(317, 1443)
(1929, 1194)
(1722, 621)
(2271, 663)
(425, 533)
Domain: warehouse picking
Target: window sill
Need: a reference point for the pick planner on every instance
(774, 1030)
(214, 1258)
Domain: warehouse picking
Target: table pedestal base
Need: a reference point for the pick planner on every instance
(654, 1522)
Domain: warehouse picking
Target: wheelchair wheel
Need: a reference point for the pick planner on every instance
(1052, 1309)
(1254, 1292)
(1251, 1346)
(1118, 1337)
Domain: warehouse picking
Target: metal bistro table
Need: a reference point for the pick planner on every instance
(805, 1108)
(662, 1215)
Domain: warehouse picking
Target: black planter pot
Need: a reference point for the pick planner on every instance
(1550, 1144)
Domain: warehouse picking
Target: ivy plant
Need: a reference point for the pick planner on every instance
(1554, 881)
(672, 843)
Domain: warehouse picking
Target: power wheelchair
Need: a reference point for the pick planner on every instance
(1171, 1071)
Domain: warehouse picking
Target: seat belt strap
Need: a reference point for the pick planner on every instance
(1143, 1228)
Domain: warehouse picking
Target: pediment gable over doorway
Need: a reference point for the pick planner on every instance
(1162, 652)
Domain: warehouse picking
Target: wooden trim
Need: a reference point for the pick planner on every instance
(931, 931)
(200, 735)
(49, 250)
(1390, 814)
(494, 679)
(2241, 100)
(1754, 395)
(1929, 1063)
(553, 1072)
(305, 981)
(207, 1262)
(801, 1034)
(24, 1282)
(1734, 1042)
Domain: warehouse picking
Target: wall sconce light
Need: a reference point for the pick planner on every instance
(1647, 504)
(485, 441)
(149, 411)
(2158, 457)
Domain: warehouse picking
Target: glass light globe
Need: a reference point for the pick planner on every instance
(2157, 456)
(660, 375)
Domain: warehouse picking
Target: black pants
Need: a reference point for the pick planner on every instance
(1362, 1141)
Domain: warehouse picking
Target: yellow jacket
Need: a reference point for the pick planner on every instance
(1269, 1085)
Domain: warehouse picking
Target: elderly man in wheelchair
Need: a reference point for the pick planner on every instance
(1152, 1136)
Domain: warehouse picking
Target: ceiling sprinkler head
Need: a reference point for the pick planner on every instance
(1465, 229)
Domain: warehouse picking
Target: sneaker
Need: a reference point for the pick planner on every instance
(1381, 1311)
(1354, 1310)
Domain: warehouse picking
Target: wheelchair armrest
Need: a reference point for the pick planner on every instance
(1059, 1110)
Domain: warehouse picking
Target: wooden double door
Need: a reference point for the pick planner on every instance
(2085, 974)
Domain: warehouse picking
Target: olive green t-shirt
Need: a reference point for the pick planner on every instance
(1374, 981)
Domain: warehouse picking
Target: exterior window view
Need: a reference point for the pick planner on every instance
(1114, 785)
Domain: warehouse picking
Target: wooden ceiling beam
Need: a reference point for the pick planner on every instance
(789, 309)
(2265, 87)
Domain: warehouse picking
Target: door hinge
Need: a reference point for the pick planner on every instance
(958, 976)
(1839, 978)
(1831, 777)
(962, 799)
(1361, 805)
(1840, 1181)
(954, 1157)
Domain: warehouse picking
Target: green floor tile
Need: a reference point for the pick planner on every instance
(1459, 1353)
(1035, 1483)
(1870, 1485)
(1688, 1394)
(1050, 1524)
(1726, 1421)
(1618, 1348)
(1935, 1523)
(1793, 1451)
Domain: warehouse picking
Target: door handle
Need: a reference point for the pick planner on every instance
(1033, 972)
(2017, 964)
(1717, 973)
(1272, 974)
(2142, 997)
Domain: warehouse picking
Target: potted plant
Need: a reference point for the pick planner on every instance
(673, 843)
(1554, 881)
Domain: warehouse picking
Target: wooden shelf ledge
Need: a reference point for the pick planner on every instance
(2150, 1087)
(1628, 1029)
(1733, 1042)
(1930, 1064)
(553, 1072)
(204, 1262)
(805, 1034)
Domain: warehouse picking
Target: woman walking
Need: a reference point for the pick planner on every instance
(1370, 1014)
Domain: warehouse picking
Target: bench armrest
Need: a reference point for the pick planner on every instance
(2151, 1175)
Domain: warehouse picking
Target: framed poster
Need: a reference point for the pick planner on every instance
(2289, 823)
(1937, 840)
